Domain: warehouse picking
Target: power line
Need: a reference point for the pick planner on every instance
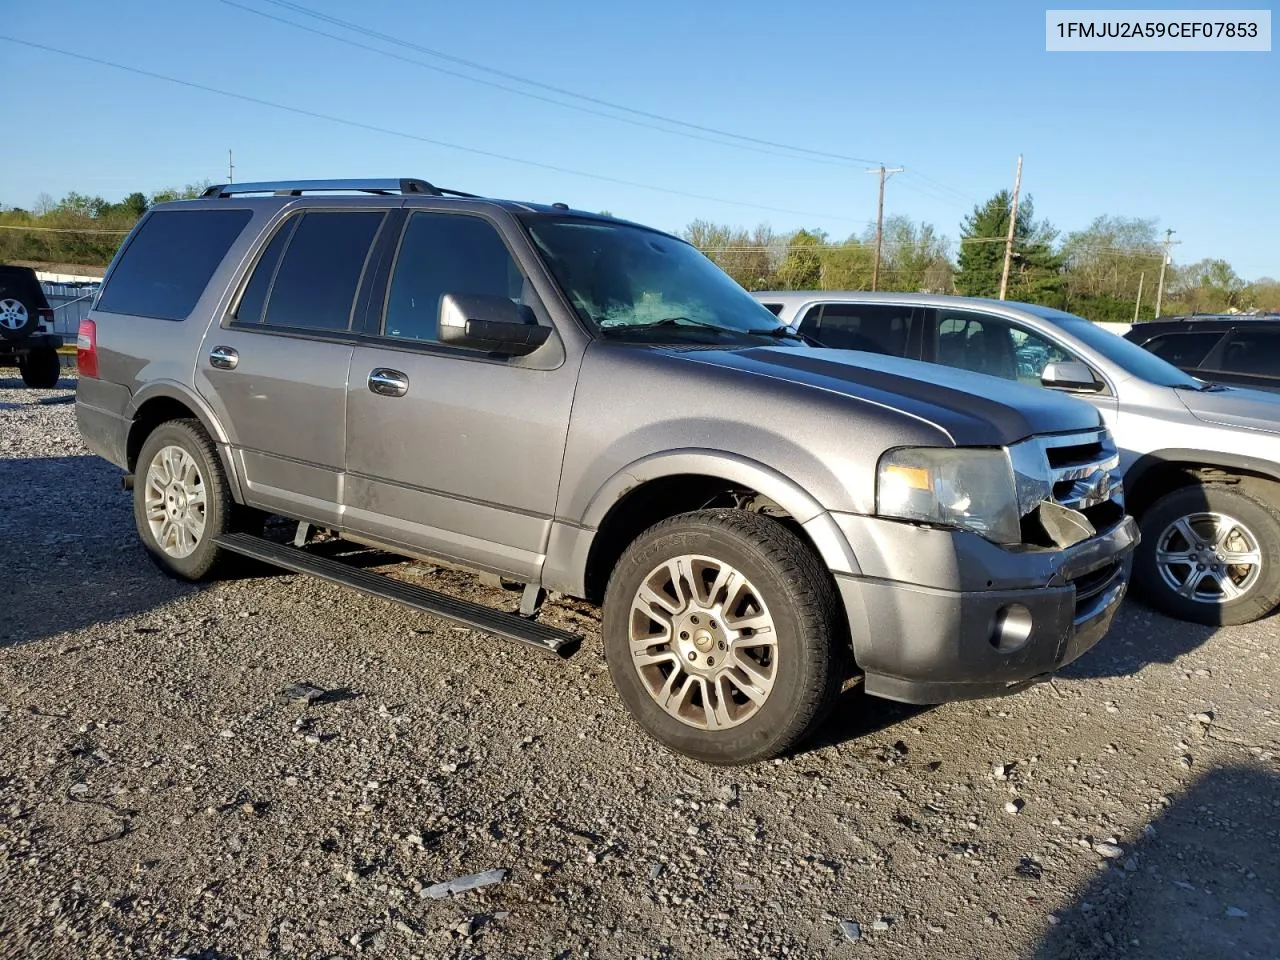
(526, 93)
(415, 137)
(473, 65)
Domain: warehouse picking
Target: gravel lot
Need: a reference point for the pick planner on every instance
(168, 790)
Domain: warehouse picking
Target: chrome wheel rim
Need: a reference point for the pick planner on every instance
(703, 642)
(1209, 558)
(13, 315)
(174, 500)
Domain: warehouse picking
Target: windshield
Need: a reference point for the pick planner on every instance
(631, 283)
(1135, 360)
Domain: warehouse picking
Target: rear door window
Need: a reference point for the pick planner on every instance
(875, 328)
(315, 285)
(170, 261)
(1254, 352)
(1183, 349)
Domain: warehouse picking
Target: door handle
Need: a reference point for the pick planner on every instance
(388, 383)
(224, 358)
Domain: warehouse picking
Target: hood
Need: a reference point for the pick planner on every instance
(974, 409)
(1234, 407)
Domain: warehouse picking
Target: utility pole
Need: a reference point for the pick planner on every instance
(1164, 261)
(1013, 223)
(883, 172)
(1138, 306)
(231, 169)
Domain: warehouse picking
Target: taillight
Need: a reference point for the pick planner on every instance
(44, 313)
(87, 349)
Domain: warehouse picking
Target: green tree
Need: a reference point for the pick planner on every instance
(801, 267)
(189, 192)
(1035, 274)
(1106, 263)
(750, 257)
(1207, 286)
(914, 258)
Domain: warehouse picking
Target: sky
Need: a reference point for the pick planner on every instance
(952, 92)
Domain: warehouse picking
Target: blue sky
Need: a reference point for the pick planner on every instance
(953, 92)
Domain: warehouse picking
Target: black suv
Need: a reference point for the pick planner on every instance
(27, 340)
(1224, 348)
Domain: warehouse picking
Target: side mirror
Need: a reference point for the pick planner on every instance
(1069, 375)
(490, 324)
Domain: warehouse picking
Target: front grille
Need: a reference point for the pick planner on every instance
(1073, 455)
(1079, 471)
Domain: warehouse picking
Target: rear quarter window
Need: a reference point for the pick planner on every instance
(169, 262)
(1183, 349)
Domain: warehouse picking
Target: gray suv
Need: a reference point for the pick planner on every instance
(1201, 461)
(584, 405)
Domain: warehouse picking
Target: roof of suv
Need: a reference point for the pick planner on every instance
(793, 298)
(1207, 322)
(287, 190)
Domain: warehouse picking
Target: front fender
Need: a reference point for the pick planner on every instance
(571, 545)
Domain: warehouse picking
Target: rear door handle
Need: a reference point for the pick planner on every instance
(224, 358)
(388, 383)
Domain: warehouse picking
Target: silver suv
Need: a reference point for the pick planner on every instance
(1201, 461)
(584, 405)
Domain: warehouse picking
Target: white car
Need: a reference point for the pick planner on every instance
(1201, 461)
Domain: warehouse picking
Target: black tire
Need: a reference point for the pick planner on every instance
(41, 369)
(206, 560)
(812, 641)
(1262, 523)
(19, 314)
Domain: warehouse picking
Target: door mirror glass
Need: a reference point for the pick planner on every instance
(1069, 375)
(488, 323)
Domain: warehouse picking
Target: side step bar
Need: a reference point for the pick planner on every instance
(487, 619)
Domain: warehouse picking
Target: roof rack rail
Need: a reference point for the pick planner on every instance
(295, 188)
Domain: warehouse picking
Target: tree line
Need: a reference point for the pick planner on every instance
(78, 229)
(1096, 272)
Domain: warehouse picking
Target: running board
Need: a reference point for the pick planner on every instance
(487, 619)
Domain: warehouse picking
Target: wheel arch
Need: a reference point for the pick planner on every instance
(162, 401)
(663, 485)
(1163, 471)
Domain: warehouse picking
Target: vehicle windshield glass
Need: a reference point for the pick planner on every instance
(1136, 361)
(632, 283)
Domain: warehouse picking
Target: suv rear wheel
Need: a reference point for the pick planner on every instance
(41, 368)
(721, 630)
(181, 500)
(1210, 554)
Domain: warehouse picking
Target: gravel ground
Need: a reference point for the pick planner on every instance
(168, 788)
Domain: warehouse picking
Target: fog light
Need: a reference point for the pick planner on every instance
(1012, 628)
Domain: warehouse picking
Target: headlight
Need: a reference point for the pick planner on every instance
(970, 489)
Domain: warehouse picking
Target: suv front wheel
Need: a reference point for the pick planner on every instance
(1210, 554)
(723, 637)
(181, 500)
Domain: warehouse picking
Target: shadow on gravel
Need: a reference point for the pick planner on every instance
(15, 382)
(1205, 881)
(857, 715)
(1138, 637)
(68, 550)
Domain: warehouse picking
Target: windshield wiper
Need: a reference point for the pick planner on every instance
(785, 333)
(665, 322)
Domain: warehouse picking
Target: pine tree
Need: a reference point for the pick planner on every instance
(1035, 274)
